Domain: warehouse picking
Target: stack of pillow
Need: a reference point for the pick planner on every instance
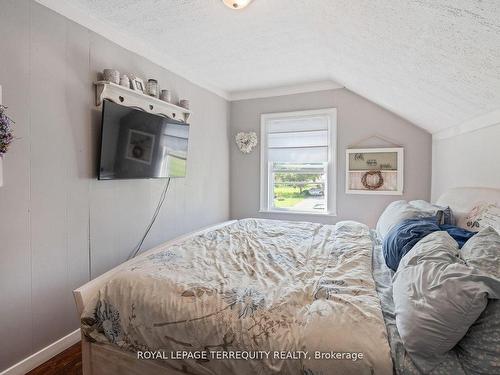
(403, 224)
(398, 211)
(445, 298)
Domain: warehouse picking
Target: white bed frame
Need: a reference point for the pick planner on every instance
(101, 359)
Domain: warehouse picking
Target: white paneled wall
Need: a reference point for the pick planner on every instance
(467, 159)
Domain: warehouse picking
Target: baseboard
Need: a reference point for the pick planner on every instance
(43, 355)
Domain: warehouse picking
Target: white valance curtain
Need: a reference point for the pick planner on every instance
(298, 140)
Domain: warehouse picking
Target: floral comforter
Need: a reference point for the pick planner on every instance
(302, 292)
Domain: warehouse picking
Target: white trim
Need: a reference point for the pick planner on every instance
(43, 355)
(284, 90)
(480, 122)
(331, 183)
(373, 192)
(264, 173)
(129, 42)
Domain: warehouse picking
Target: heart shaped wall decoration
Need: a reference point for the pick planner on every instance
(246, 141)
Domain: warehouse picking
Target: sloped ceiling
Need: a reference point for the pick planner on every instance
(434, 62)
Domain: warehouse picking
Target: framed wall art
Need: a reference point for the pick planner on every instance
(374, 171)
(137, 84)
(140, 146)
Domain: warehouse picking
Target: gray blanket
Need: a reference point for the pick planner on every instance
(402, 362)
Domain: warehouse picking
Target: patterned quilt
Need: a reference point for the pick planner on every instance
(253, 297)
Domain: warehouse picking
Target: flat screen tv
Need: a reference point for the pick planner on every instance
(137, 144)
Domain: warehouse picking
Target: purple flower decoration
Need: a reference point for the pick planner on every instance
(6, 136)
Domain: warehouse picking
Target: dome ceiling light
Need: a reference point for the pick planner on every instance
(237, 4)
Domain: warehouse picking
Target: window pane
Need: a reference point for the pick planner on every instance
(299, 187)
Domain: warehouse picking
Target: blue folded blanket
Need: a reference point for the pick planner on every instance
(460, 235)
(401, 239)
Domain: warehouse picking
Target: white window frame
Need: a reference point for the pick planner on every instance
(266, 192)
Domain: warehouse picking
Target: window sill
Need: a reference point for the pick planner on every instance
(303, 213)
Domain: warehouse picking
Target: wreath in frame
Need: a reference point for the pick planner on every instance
(372, 186)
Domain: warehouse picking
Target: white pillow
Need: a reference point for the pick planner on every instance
(444, 213)
(395, 213)
(483, 215)
(437, 298)
(491, 218)
(426, 206)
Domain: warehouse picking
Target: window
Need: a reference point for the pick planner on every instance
(298, 162)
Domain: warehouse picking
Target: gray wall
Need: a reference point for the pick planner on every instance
(53, 210)
(357, 118)
(469, 159)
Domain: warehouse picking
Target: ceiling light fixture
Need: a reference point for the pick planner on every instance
(237, 4)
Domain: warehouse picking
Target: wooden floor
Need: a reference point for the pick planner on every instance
(68, 362)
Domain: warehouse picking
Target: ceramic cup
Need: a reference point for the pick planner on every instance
(112, 75)
(152, 87)
(125, 81)
(184, 103)
(166, 95)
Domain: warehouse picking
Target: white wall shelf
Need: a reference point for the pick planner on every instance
(133, 98)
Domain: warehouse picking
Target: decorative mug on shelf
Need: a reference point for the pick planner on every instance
(152, 87)
(166, 95)
(125, 81)
(184, 103)
(112, 75)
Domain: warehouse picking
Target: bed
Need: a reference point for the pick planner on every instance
(314, 297)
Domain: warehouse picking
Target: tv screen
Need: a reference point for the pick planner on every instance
(137, 144)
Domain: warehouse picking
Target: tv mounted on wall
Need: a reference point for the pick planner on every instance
(137, 144)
